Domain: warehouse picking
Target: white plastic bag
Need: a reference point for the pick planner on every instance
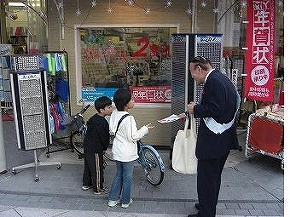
(183, 154)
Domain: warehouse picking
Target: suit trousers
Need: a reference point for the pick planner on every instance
(208, 184)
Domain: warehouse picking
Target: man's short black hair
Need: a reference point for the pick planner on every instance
(102, 102)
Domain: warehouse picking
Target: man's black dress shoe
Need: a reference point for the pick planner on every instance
(192, 215)
(197, 206)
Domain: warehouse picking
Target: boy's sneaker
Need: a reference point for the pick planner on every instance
(85, 187)
(127, 204)
(113, 203)
(105, 190)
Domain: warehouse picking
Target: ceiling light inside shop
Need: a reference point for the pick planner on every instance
(94, 3)
(130, 3)
(203, 4)
(147, 10)
(168, 3)
(110, 9)
(78, 10)
(16, 4)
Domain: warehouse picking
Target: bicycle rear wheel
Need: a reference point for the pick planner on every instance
(76, 141)
(152, 167)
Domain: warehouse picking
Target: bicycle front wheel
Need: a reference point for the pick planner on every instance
(76, 141)
(152, 167)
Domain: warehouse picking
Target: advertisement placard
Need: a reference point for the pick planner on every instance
(151, 94)
(260, 55)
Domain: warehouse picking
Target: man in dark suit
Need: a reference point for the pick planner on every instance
(216, 133)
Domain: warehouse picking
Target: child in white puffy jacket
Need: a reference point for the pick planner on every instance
(124, 149)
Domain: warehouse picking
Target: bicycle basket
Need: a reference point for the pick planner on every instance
(75, 124)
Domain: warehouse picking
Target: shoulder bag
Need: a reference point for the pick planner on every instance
(183, 154)
(121, 119)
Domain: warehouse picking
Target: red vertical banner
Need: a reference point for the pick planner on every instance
(260, 55)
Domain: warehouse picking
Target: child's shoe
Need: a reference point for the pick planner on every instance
(113, 203)
(105, 190)
(127, 204)
(97, 193)
(85, 187)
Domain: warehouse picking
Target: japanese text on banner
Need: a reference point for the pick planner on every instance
(260, 50)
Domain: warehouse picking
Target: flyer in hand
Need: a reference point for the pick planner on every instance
(170, 119)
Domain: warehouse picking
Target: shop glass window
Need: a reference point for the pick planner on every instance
(138, 58)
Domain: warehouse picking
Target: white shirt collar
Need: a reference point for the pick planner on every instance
(207, 75)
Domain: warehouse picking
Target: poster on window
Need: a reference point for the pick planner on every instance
(260, 41)
(90, 94)
(151, 94)
(114, 57)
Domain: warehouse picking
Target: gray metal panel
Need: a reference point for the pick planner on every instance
(30, 105)
(179, 60)
(184, 90)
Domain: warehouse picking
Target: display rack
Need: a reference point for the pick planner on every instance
(5, 68)
(19, 43)
(30, 105)
(55, 63)
(18, 39)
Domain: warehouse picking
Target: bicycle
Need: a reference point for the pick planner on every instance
(72, 136)
(78, 128)
(149, 158)
(150, 161)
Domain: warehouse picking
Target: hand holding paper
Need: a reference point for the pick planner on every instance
(171, 118)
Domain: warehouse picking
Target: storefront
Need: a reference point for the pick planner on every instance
(112, 44)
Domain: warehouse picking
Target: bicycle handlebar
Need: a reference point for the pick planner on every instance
(84, 109)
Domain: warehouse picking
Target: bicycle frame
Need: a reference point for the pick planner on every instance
(141, 159)
(150, 161)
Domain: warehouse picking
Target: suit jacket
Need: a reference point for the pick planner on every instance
(218, 102)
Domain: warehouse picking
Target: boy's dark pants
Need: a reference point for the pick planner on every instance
(93, 171)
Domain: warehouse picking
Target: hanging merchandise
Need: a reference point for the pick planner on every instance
(60, 110)
(64, 117)
(51, 64)
(58, 115)
(55, 62)
(55, 115)
(63, 61)
(51, 124)
(58, 62)
(44, 61)
(62, 89)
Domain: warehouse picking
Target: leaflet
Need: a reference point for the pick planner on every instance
(170, 119)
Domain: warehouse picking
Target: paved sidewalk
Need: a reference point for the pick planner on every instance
(28, 212)
(253, 188)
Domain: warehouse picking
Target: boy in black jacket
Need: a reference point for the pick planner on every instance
(96, 141)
